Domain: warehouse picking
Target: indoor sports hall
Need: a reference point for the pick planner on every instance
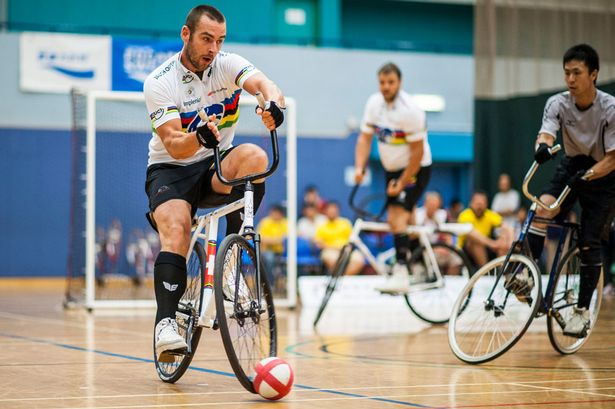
(502, 101)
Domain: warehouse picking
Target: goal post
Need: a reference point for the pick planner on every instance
(111, 247)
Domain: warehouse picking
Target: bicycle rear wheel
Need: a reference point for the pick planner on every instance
(434, 305)
(489, 322)
(336, 274)
(172, 367)
(247, 323)
(564, 297)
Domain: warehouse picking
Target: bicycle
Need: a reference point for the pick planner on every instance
(488, 325)
(438, 264)
(227, 288)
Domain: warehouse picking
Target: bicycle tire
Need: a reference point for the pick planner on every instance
(434, 305)
(248, 334)
(563, 297)
(338, 271)
(189, 309)
(483, 328)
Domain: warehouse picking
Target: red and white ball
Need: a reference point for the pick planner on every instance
(274, 378)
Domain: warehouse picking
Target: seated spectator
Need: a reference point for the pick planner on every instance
(431, 214)
(332, 235)
(454, 208)
(312, 197)
(506, 202)
(307, 224)
(273, 229)
(480, 244)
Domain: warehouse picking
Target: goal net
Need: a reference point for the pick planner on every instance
(112, 248)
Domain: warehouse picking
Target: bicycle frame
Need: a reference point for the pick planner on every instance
(207, 226)
(423, 232)
(521, 246)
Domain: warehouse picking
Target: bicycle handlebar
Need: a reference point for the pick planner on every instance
(364, 214)
(250, 178)
(530, 174)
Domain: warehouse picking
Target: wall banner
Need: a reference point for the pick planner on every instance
(54, 62)
(134, 60)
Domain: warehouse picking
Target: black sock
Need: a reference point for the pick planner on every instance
(235, 219)
(169, 283)
(414, 244)
(402, 244)
(536, 240)
(589, 279)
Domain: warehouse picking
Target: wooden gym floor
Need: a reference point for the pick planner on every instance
(50, 358)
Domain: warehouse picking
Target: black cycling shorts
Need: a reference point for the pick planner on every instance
(596, 198)
(191, 183)
(412, 193)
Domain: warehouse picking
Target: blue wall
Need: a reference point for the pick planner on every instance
(35, 211)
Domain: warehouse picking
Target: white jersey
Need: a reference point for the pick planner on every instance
(174, 92)
(396, 125)
(590, 132)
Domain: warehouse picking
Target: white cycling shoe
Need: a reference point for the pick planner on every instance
(168, 339)
(578, 325)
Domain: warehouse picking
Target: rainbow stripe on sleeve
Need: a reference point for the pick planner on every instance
(242, 73)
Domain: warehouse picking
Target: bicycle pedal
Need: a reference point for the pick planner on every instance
(168, 357)
(579, 335)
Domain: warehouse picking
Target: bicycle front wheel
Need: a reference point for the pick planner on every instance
(564, 297)
(171, 367)
(244, 308)
(336, 274)
(434, 304)
(489, 322)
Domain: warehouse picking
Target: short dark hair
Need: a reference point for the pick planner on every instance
(480, 192)
(195, 14)
(389, 68)
(277, 207)
(585, 53)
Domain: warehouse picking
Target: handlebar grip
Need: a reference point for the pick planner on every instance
(554, 149)
(260, 99)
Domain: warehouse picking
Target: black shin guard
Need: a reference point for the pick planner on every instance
(402, 246)
(589, 279)
(169, 283)
(234, 220)
(536, 240)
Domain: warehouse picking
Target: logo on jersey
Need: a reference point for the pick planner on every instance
(392, 137)
(216, 91)
(187, 79)
(157, 114)
(215, 109)
(165, 70)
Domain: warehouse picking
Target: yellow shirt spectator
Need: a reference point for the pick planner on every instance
(484, 224)
(334, 233)
(273, 232)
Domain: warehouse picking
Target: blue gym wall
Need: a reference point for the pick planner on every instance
(330, 85)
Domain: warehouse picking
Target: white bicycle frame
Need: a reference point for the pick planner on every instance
(423, 233)
(207, 230)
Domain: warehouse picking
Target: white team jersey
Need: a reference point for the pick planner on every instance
(396, 125)
(590, 132)
(174, 92)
